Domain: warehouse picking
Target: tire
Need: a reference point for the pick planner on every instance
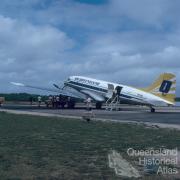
(62, 106)
(98, 105)
(153, 110)
(71, 104)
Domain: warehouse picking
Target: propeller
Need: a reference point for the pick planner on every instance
(56, 86)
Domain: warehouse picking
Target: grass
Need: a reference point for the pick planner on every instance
(34, 147)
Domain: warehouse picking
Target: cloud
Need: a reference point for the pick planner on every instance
(125, 41)
(146, 11)
(26, 50)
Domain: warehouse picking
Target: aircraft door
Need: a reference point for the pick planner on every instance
(110, 90)
(118, 90)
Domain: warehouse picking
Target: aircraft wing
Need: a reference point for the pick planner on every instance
(93, 95)
(64, 92)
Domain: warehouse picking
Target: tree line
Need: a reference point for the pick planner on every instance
(22, 97)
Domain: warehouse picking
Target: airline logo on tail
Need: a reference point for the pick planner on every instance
(165, 86)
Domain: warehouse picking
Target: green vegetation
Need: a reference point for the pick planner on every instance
(178, 99)
(22, 97)
(26, 97)
(34, 147)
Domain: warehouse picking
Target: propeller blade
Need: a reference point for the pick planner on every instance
(56, 86)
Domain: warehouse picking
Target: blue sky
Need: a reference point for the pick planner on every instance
(131, 42)
(96, 2)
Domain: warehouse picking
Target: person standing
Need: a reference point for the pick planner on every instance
(31, 100)
(88, 115)
(50, 100)
(54, 101)
(57, 101)
(88, 104)
(39, 101)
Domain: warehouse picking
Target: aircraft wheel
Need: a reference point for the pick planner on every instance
(71, 105)
(98, 105)
(153, 110)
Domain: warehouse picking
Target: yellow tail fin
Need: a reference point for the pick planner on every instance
(164, 87)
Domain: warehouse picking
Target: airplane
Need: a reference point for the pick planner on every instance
(160, 93)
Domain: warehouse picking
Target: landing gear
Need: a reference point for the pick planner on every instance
(98, 105)
(152, 110)
(71, 104)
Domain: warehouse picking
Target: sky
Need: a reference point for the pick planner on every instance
(129, 42)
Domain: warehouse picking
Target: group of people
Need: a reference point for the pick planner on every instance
(56, 101)
(60, 101)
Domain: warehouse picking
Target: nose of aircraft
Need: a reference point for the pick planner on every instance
(71, 78)
(68, 80)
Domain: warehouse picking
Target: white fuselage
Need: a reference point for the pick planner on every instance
(99, 90)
